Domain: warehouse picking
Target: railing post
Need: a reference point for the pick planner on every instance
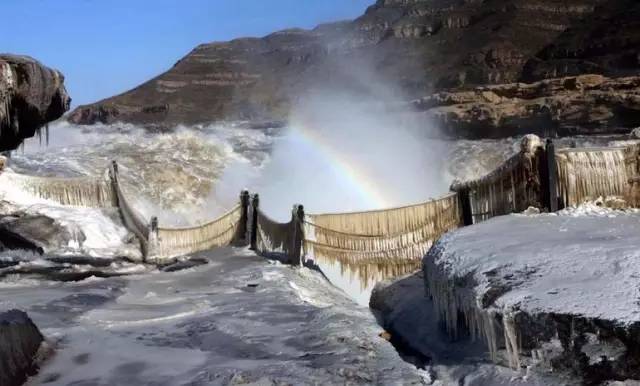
(244, 216)
(152, 240)
(113, 176)
(255, 203)
(464, 195)
(550, 178)
(297, 219)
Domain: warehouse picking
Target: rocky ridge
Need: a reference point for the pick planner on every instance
(584, 104)
(420, 46)
(31, 95)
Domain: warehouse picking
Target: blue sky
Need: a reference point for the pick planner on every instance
(105, 47)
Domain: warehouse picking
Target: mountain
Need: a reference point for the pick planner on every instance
(421, 47)
(31, 95)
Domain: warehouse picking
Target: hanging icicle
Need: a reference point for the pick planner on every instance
(512, 187)
(173, 242)
(587, 174)
(91, 192)
(274, 237)
(382, 243)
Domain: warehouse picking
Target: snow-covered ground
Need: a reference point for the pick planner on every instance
(545, 290)
(237, 320)
(584, 261)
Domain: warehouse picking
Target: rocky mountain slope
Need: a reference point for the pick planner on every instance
(30, 96)
(410, 48)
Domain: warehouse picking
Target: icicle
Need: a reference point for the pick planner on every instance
(452, 299)
(511, 340)
(83, 191)
(383, 242)
(588, 174)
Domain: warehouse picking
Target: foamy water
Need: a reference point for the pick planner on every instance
(190, 175)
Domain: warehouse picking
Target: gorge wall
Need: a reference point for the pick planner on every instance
(421, 46)
(31, 95)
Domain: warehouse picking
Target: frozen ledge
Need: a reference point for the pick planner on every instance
(20, 340)
(558, 291)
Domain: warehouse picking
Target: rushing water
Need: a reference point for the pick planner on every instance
(190, 175)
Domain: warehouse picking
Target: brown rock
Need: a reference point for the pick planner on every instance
(586, 104)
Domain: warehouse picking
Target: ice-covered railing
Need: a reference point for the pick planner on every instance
(589, 173)
(91, 192)
(158, 244)
(542, 177)
(174, 242)
(380, 243)
(275, 239)
(131, 218)
(632, 166)
(512, 187)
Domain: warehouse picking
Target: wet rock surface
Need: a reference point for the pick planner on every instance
(20, 340)
(422, 47)
(31, 95)
(34, 233)
(236, 320)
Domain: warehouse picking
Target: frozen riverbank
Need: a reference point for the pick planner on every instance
(238, 319)
(409, 316)
(558, 291)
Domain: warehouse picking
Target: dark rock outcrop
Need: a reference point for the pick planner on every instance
(21, 341)
(422, 46)
(35, 233)
(31, 95)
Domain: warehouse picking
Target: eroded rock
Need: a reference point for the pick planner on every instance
(31, 95)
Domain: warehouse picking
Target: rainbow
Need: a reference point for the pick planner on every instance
(370, 190)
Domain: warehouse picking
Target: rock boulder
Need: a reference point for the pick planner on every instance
(31, 95)
(21, 341)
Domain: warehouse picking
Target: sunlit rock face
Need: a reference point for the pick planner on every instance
(413, 48)
(31, 95)
(584, 104)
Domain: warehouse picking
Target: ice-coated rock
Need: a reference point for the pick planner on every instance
(550, 289)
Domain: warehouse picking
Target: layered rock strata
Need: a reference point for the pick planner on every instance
(409, 50)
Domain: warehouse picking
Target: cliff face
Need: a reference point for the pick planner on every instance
(30, 96)
(422, 46)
